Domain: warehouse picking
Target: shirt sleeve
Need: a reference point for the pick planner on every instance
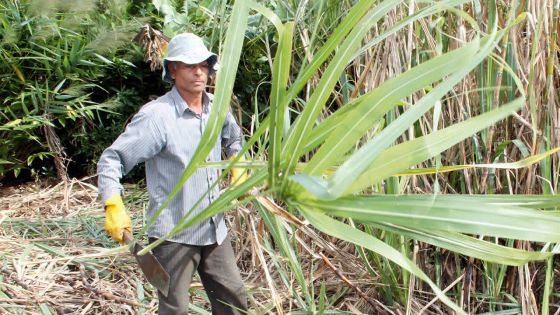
(231, 136)
(141, 140)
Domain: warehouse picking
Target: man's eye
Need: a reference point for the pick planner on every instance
(202, 65)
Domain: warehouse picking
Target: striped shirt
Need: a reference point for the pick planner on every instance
(164, 134)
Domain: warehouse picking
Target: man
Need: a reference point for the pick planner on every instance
(164, 134)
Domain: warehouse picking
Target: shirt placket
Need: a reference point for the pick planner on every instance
(209, 173)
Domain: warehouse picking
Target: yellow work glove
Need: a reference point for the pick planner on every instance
(116, 218)
(238, 175)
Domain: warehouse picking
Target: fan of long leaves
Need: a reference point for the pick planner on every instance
(53, 54)
(333, 187)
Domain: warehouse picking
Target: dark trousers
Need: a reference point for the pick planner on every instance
(218, 272)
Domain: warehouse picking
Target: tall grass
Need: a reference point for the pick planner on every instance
(53, 59)
(378, 115)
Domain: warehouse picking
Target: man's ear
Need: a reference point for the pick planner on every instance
(171, 68)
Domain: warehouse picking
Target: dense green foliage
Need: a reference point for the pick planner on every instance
(70, 77)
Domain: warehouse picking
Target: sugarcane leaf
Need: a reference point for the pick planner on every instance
(376, 103)
(521, 163)
(275, 227)
(402, 156)
(530, 160)
(327, 127)
(467, 245)
(223, 203)
(343, 231)
(295, 142)
(278, 106)
(266, 12)
(358, 162)
(430, 212)
(398, 158)
(334, 40)
(543, 202)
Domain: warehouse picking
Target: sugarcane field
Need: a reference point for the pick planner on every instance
(279, 157)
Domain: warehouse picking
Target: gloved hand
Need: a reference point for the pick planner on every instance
(116, 218)
(238, 175)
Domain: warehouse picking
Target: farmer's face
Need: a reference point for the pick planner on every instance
(190, 78)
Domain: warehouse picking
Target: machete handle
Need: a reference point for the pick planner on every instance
(127, 237)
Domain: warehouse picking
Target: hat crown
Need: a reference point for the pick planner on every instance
(184, 43)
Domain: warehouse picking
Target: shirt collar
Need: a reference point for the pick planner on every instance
(181, 106)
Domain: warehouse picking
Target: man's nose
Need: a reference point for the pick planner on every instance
(198, 69)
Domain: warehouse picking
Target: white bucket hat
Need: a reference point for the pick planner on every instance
(190, 49)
